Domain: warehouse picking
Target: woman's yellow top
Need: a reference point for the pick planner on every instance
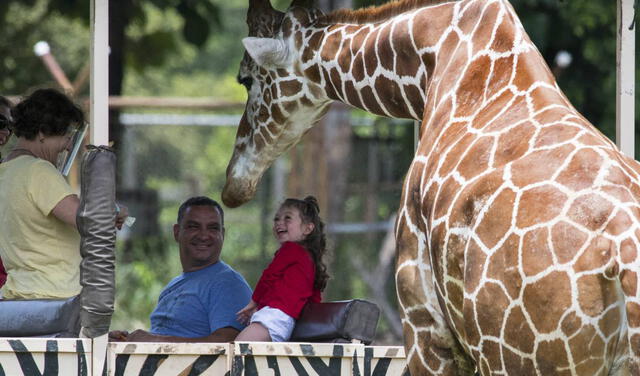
(40, 253)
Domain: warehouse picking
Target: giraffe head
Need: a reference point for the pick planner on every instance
(284, 100)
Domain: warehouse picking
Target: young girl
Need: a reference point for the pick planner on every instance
(295, 276)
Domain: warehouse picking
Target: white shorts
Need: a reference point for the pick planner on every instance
(279, 324)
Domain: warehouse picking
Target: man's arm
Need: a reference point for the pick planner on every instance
(226, 334)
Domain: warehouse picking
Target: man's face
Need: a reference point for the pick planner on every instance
(200, 235)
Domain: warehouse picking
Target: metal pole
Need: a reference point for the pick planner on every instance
(625, 83)
(43, 51)
(99, 72)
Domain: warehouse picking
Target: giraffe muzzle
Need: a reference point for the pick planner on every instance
(237, 192)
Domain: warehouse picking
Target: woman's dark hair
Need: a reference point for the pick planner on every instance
(315, 242)
(47, 111)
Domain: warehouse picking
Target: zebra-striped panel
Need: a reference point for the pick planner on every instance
(45, 357)
(147, 359)
(265, 358)
(384, 360)
(65, 357)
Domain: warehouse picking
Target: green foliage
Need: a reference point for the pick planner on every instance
(23, 24)
(156, 23)
(189, 71)
(198, 15)
(152, 34)
(75, 9)
(155, 45)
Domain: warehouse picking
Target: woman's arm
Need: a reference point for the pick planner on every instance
(67, 209)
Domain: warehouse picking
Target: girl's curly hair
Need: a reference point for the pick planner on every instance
(47, 111)
(316, 241)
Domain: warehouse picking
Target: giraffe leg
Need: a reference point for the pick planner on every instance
(430, 345)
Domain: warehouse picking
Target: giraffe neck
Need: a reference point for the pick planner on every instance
(374, 67)
(419, 58)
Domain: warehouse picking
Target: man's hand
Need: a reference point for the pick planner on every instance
(137, 335)
(118, 336)
(140, 335)
(244, 315)
(226, 334)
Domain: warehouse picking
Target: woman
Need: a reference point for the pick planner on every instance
(39, 241)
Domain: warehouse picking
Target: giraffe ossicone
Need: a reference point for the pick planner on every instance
(519, 224)
(267, 52)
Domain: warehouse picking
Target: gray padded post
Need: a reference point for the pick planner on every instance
(95, 219)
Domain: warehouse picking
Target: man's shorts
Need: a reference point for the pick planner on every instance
(279, 324)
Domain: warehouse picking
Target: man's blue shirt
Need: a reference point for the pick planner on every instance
(195, 304)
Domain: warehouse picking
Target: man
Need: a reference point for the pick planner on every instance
(199, 305)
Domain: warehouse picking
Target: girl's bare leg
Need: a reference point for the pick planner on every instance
(255, 332)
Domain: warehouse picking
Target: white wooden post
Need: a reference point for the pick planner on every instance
(99, 130)
(99, 72)
(625, 83)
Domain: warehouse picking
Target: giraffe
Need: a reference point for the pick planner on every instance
(519, 224)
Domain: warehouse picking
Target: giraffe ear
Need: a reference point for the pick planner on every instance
(267, 52)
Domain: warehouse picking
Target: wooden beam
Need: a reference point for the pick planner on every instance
(43, 51)
(190, 103)
(175, 102)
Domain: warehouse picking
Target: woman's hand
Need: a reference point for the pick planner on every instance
(121, 216)
(244, 315)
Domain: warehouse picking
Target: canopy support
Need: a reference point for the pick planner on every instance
(99, 132)
(625, 82)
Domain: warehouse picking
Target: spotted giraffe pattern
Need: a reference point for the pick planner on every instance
(518, 228)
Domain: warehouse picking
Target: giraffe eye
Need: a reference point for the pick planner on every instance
(246, 82)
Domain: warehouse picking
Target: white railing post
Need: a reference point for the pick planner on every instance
(625, 82)
(99, 133)
(99, 123)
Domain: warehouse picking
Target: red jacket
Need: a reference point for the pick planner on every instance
(287, 283)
